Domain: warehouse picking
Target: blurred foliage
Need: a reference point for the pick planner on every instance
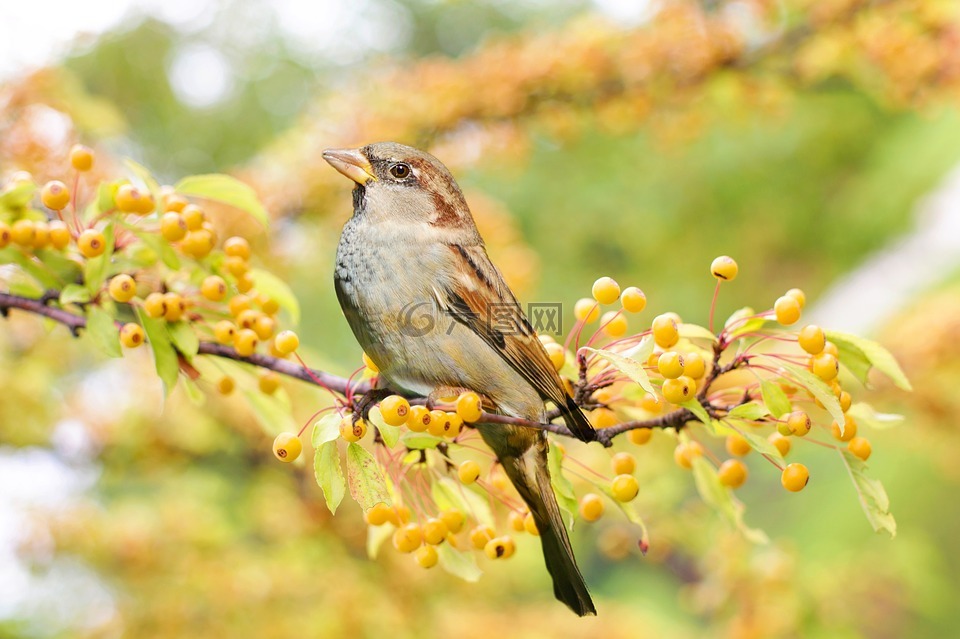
(797, 146)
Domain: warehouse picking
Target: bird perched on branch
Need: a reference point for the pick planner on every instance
(432, 312)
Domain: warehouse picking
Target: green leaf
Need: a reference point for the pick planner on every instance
(59, 266)
(17, 197)
(719, 497)
(751, 411)
(775, 399)
(873, 497)
(695, 407)
(866, 415)
(390, 434)
(275, 288)
(376, 535)
(164, 356)
(562, 488)
(877, 355)
(194, 394)
(226, 189)
(757, 442)
(271, 412)
(819, 389)
(327, 429)
(694, 331)
(144, 175)
(329, 474)
(448, 494)
(365, 478)
(630, 512)
(629, 367)
(74, 294)
(34, 268)
(161, 247)
(184, 338)
(420, 441)
(459, 564)
(103, 331)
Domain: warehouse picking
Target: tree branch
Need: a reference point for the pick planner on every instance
(74, 322)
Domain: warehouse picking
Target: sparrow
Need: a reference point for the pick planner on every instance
(433, 313)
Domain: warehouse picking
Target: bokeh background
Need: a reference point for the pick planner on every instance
(817, 141)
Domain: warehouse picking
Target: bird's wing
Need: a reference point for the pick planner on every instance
(479, 299)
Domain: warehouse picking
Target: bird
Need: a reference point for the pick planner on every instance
(433, 313)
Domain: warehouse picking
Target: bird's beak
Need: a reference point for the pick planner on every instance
(352, 163)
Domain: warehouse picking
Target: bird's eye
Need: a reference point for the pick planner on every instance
(400, 170)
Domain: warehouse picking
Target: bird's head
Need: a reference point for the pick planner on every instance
(398, 183)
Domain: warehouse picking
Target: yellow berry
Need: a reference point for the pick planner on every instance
(419, 419)
(454, 520)
(732, 473)
(787, 310)
(239, 304)
(516, 520)
(130, 199)
(812, 339)
(55, 195)
(175, 203)
(395, 410)
(41, 235)
(798, 423)
(123, 288)
(5, 235)
(226, 385)
(665, 331)
(286, 342)
(591, 507)
(849, 429)
(268, 382)
(606, 290)
(794, 477)
(831, 349)
(640, 436)
(131, 335)
(586, 310)
(427, 556)
(860, 447)
(624, 487)
(603, 418)
(369, 363)
(59, 235)
(530, 525)
(173, 227)
(444, 424)
(223, 331)
(679, 390)
(22, 232)
(352, 431)
(724, 268)
(408, 538)
(825, 366)
(798, 295)
(155, 305)
(557, 354)
(614, 324)
(244, 283)
(694, 365)
(287, 447)
(176, 306)
(236, 266)
(670, 364)
(194, 216)
(379, 514)
(92, 243)
(197, 243)
(245, 341)
(468, 471)
(782, 443)
(500, 548)
(633, 300)
(81, 157)
(264, 326)
(213, 288)
(237, 247)
(624, 463)
(469, 407)
(686, 452)
(481, 536)
(738, 445)
(434, 531)
(845, 401)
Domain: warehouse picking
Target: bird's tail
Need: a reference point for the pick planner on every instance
(577, 422)
(531, 476)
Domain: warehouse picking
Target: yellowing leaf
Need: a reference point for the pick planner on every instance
(420, 440)
(226, 189)
(626, 365)
(164, 356)
(184, 338)
(873, 497)
(365, 478)
(751, 411)
(329, 474)
(449, 494)
(562, 488)
(717, 495)
(694, 331)
(867, 416)
(459, 564)
(326, 429)
(389, 434)
(775, 399)
(877, 355)
(102, 331)
(819, 389)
